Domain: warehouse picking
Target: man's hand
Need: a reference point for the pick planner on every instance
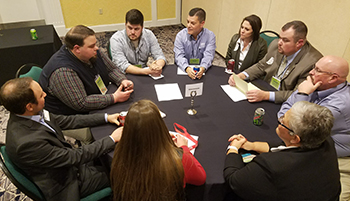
(200, 73)
(117, 134)
(232, 82)
(193, 75)
(155, 66)
(257, 95)
(127, 84)
(307, 86)
(180, 141)
(120, 95)
(190, 72)
(113, 118)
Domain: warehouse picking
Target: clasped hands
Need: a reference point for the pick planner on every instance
(239, 141)
(155, 69)
(193, 75)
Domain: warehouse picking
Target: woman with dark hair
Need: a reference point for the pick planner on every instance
(147, 163)
(247, 47)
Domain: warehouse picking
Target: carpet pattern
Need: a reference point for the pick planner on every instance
(166, 37)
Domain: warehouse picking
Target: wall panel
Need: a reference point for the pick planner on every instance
(166, 9)
(87, 12)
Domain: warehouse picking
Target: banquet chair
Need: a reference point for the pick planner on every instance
(29, 188)
(109, 49)
(29, 70)
(269, 36)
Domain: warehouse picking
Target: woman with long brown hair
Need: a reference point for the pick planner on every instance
(147, 163)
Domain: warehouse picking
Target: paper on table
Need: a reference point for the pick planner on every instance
(155, 78)
(181, 72)
(166, 92)
(189, 143)
(243, 85)
(235, 94)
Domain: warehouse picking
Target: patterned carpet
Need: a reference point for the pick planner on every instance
(165, 35)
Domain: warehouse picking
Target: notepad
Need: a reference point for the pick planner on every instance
(242, 85)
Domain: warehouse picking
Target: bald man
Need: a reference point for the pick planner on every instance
(326, 85)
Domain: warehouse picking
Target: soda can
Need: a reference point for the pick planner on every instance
(34, 34)
(230, 65)
(196, 69)
(121, 118)
(259, 116)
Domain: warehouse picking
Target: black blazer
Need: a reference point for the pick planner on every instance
(292, 174)
(256, 52)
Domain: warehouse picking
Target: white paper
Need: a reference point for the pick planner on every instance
(162, 114)
(156, 78)
(235, 94)
(166, 92)
(189, 143)
(181, 72)
(198, 88)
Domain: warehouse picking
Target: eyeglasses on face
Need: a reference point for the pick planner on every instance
(280, 120)
(318, 70)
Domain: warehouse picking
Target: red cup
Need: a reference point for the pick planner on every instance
(230, 65)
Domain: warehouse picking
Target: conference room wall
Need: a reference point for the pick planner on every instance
(113, 12)
(329, 27)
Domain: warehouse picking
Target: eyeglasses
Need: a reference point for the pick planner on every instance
(279, 120)
(318, 70)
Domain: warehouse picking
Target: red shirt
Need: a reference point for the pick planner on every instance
(194, 172)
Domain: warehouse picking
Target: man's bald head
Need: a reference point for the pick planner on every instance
(336, 65)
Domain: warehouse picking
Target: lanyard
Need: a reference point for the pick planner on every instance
(185, 133)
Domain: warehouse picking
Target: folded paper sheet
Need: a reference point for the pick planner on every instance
(238, 92)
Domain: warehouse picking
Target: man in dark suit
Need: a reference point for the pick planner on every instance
(35, 143)
(286, 64)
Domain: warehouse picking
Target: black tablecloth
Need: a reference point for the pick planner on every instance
(18, 48)
(217, 119)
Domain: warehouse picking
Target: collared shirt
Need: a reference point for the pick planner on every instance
(290, 58)
(125, 54)
(186, 48)
(337, 101)
(242, 53)
(39, 118)
(70, 89)
(281, 148)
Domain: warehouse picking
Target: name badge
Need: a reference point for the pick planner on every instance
(194, 61)
(46, 115)
(101, 86)
(275, 82)
(138, 65)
